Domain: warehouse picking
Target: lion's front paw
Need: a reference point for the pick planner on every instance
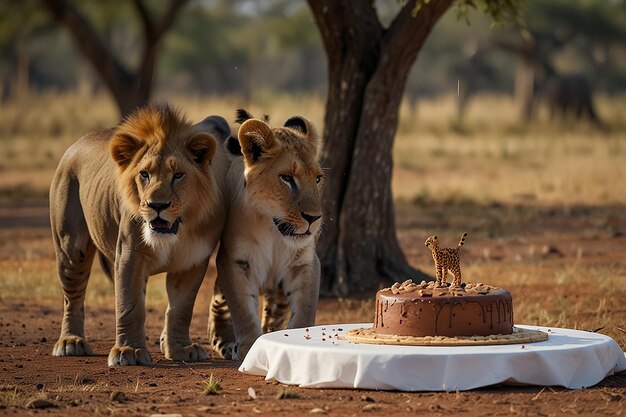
(71, 346)
(192, 353)
(223, 348)
(228, 350)
(127, 355)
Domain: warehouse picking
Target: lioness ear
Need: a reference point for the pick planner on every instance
(255, 138)
(123, 148)
(242, 115)
(202, 147)
(305, 127)
(298, 123)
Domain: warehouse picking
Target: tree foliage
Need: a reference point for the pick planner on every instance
(223, 46)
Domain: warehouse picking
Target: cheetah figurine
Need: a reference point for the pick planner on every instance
(446, 259)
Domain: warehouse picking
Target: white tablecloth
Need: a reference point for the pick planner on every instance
(316, 358)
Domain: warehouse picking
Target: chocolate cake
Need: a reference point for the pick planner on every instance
(419, 310)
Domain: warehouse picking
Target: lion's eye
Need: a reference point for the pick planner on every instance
(288, 179)
(178, 175)
(318, 179)
(145, 175)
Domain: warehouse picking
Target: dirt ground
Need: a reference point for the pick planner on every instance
(574, 255)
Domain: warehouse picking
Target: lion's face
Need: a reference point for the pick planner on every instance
(283, 177)
(165, 173)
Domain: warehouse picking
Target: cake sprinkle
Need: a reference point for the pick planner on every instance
(427, 289)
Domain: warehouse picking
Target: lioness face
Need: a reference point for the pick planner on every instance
(283, 177)
(164, 173)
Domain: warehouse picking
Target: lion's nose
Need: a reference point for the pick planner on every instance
(158, 207)
(309, 218)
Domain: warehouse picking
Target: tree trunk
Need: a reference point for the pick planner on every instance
(525, 89)
(368, 69)
(22, 71)
(524, 46)
(350, 65)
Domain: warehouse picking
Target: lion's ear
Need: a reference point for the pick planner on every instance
(305, 127)
(215, 125)
(256, 138)
(123, 148)
(202, 147)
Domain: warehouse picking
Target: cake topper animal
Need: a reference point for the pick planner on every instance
(446, 259)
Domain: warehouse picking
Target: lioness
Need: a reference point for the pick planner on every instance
(269, 240)
(147, 197)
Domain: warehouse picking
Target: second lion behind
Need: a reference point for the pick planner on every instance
(268, 246)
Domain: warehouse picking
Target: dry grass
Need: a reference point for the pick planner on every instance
(17, 397)
(35, 132)
(28, 270)
(211, 386)
(11, 396)
(40, 282)
(491, 157)
(80, 383)
(488, 157)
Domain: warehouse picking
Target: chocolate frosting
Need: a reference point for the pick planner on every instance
(419, 310)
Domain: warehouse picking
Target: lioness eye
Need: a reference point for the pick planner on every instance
(178, 175)
(318, 179)
(288, 179)
(145, 175)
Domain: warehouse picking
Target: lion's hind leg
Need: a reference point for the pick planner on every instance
(221, 333)
(74, 254)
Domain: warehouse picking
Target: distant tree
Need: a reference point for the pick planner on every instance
(19, 23)
(129, 87)
(587, 29)
(263, 46)
(296, 32)
(368, 65)
(191, 49)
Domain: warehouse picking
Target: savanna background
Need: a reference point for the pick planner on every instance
(539, 186)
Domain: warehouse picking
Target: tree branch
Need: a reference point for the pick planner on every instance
(153, 33)
(407, 33)
(170, 16)
(112, 72)
(346, 25)
(146, 19)
(155, 30)
(326, 15)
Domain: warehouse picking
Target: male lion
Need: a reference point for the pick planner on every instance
(147, 197)
(269, 239)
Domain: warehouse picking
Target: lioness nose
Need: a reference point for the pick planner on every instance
(309, 218)
(158, 207)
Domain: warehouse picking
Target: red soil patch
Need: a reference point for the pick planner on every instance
(86, 386)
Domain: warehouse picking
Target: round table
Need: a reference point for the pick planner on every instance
(318, 357)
